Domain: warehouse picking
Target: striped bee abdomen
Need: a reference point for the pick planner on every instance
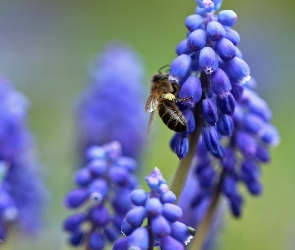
(172, 116)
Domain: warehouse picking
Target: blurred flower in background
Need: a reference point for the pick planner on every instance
(112, 106)
(22, 192)
(104, 188)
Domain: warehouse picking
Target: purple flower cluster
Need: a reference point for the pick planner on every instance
(236, 128)
(22, 192)
(163, 228)
(110, 109)
(103, 193)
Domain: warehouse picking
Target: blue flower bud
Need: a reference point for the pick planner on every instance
(246, 143)
(229, 186)
(197, 39)
(136, 216)
(251, 84)
(121, 244)
(262, 154)
(75, 198)
(208, 61)
(225, 125)
(229, 161)
(256, 104)
(232, 35)
(77, 238)
(180, 67)
(98, 190)
(210, 138)
(191, 88)
(190, 119)
(225, 49)
(126, 227)
(210, 111)
(111, 233)
(180, 145)
(255, 187)
(97, 167)
(220, 83)
(153, 207)
(154, 179)
(179, 232)
(100, 215)
(253, 123)
(113, 150)
(163, 188)
(194, 22)
(160, 226)
(127, 163)
(237, 90)
(270, 135)
(139, 239)
(172, 212)
(73, 222)
(202, 166)
(227, 105)
(139, 197)
(95, 152)
(96, 241)
(119, 175)
(207, 177)
(168, 197)
(169, 243)
(238, 70)
(227, 17)
(83, 177)
(220, 152)
(215, 31)
(238, 52)
(201, 11)
(121, 201)
(208, 5)
(217, 4)
(236, 205)
(249, 171)
(182, 48)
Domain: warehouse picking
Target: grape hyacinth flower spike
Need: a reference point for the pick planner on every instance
(104, 187)
(231, 119)
(22, 192)
(110, 108)
(162, 228)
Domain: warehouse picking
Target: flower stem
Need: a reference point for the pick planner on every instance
(151, 235)
(204, 226)
(180, 176)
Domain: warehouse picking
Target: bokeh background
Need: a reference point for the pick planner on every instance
(45, 49)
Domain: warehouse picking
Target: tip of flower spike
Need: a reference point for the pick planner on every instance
(155, 178)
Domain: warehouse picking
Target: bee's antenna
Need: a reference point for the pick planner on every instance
(165, 66)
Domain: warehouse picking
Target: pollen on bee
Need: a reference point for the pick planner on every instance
(168, 96)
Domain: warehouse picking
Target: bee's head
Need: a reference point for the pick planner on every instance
(159, 77)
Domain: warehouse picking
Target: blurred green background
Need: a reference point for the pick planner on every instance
(45, 48)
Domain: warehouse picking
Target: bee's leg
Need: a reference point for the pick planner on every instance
(183, 99)
(176, 88)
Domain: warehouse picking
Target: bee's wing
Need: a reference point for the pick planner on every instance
(151, 103)
(150, 123)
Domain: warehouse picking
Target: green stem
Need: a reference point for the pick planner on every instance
(180, 176)
(204, 227)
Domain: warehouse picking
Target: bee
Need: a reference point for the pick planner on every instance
(163, 97)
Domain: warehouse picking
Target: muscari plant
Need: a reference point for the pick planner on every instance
(230, 140)
(22, 191)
